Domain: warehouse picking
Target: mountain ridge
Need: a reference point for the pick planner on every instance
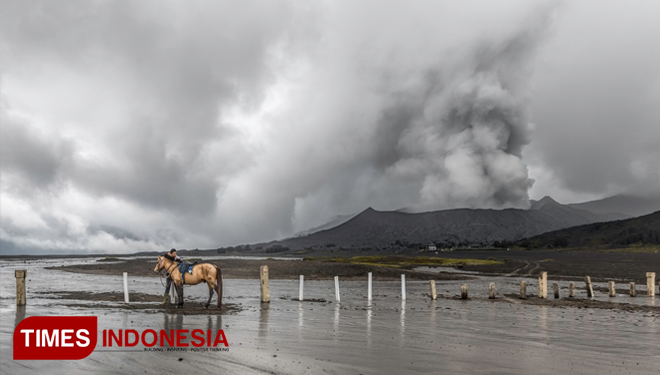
(449, 227)
(638, 231)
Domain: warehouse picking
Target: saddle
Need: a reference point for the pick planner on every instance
(186, 268)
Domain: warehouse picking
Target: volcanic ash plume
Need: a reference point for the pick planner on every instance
(424, 123)
(461, 130)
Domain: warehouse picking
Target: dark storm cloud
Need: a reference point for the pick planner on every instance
(131, 125)
(129, 100)
(187, 63)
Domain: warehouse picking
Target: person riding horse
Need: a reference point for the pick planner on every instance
(168, 284)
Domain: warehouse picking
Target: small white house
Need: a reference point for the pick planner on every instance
(431, 247)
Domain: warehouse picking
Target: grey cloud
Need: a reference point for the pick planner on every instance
(188, 63)
(596, 101)
(119, 233)
(27, 152)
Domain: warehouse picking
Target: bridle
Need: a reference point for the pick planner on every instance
(167, 271)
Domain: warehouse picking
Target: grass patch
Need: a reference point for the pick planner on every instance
(634, 250)
(108, 259)
(407, 262)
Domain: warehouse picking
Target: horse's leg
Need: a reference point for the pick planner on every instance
(179, 291)
(211, 287)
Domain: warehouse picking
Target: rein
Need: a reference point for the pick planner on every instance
(167, 272)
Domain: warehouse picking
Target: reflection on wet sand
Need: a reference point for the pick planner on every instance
(463, 312)
(433, 308)
(543, 320)
(172, 321)
(20, 315)
(402, 325)
(263, 320)
(369, 317)
(124, 318)
(336, 322)
(402, 332)
(650, 301)
(214, 323)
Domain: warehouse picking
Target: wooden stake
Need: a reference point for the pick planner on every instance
(633, 291)
(464, 291)
(434, 295)
(523, 290)
(590, 289)
(265, 288)
(650, 284)
(126, 287)
(300, 289)
(571, 290)
(612, 289)
(555, 288)
(491, 291)
(20, 287)
(543, 285)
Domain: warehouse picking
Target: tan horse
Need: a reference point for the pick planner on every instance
(203, 272)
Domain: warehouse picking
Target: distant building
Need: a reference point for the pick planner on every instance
(431, 247)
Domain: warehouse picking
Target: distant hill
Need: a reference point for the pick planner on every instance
(338, 220)
(629, 205)
(449, 227)
(639, 231)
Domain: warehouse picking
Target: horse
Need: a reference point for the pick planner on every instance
(202, 272)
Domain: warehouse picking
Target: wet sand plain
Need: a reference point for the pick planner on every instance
(388, 335)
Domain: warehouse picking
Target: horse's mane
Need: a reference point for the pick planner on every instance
(167, 256)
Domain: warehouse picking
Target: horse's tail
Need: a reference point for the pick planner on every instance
(218, 285)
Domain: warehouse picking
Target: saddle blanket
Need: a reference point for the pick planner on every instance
(186, 268)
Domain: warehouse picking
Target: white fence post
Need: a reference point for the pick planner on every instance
(126, 287)
(403, 287)
(300, 291)
(369, 287)
(337, 289)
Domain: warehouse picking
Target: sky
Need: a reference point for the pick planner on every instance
(144, 125)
